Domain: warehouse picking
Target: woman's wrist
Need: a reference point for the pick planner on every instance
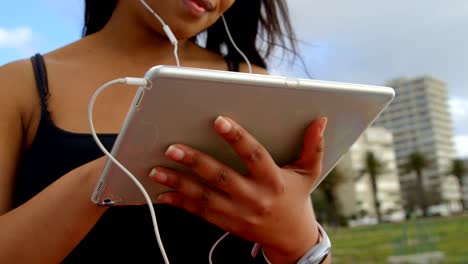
(294, 246)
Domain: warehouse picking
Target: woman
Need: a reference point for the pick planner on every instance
(50, 164)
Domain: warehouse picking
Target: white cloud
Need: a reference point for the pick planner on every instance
(374, 41)
(459, 108)
(461, 143)
(367, 41)
(17, 38)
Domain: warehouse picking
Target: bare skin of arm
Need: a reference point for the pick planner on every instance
(42, 230)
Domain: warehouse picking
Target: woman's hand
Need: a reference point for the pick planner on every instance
(270, 205)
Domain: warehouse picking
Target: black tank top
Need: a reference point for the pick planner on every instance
(123, 234)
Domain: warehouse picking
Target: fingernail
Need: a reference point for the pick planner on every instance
(222, 125)
(163, 199)
(158, 175)
(175, 153)
(323, 125)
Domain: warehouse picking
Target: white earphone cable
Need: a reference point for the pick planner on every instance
(172, 38)
(235, 45)
(129, 81)
(210, 256)
(250, 71)
(144, 83)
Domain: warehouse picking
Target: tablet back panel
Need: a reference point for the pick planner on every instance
(183, 103)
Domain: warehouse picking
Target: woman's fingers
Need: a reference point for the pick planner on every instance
(255, 157)
(211, 170)
(216, 216)
(204, 196)
(269, 199)
(310, 160)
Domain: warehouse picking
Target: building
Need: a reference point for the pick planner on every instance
(355, 197)
(420, 122)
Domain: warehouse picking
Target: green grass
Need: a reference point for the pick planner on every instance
(373, 244)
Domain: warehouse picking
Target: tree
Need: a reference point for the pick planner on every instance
(327, 190)
(416, 163)
(458, 170)
(373, 167)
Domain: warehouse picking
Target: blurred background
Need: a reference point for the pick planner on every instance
(401, 192)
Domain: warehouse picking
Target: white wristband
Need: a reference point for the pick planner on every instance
(314, 255)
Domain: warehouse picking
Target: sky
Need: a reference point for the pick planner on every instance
(361, 41)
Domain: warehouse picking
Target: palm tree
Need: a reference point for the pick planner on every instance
(458, 170)
(373, 167)
(416, 163)
(327, 189)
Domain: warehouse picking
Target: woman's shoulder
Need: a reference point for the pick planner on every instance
(17, 77)
(20, 100)
(15, 73)
(16, 80)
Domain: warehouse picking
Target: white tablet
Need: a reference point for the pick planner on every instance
(183, 103)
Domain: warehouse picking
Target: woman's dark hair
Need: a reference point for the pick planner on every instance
(257, 26)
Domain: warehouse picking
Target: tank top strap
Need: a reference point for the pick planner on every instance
(232, 65)
(42, 84)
